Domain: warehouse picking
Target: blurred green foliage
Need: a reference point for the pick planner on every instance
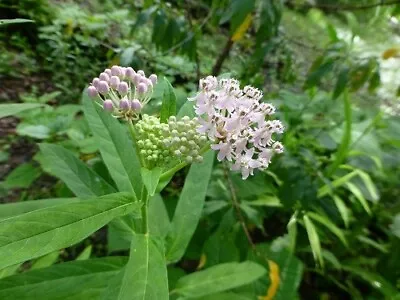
(326, 212)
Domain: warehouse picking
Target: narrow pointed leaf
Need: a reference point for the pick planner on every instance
(328, 224)
(71, 280)
(81, 180)
(359, 196)
(9, 210)
(314, 240)
(168, 107)
(219, 278)
(42, 231)
(159, 221)
(343, 210)
(115, 147)
(15, 108)
(190, 205)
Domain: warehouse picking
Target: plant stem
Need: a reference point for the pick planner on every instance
(145, 216)
(134, 138)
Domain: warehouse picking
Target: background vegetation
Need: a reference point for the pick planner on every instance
(324, 219)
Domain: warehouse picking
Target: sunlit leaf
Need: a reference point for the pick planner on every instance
(218, 279)
(314, 240)
(42, 231)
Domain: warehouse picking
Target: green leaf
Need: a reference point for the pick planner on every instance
(328, 188)
(11, 270)
(328, 224)
(189, 208)
(150, 179)
(14, 21)
(187, 109)
(219, 278)
(15, 108)
(81, 180)
(46, 260)
(224, 296)
(158, 217)
(314, 240)
(168, 107)
(395, 226)
(17, 208)
(145, 275)
(376, 281)
(34, 131)
(116, 148)
(85, 254)
(292, 230)
(42, 231)
(67, 281)
(359, 196)
(343, 149)
(22, 176)
(373, 191)
(341, 83)
(343, 210)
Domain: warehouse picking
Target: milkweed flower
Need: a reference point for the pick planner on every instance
(122, 91)
(237, 123)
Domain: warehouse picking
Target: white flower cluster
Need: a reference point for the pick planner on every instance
(236, 122)
(123, 91)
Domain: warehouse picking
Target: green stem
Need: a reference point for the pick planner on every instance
(145, 221)
(134, 137)
(346, 139)
(172, 171)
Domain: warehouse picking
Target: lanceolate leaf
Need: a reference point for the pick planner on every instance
(116, 149)
(15, 108)
(189, 208)
(168, 107)
(9, 210)
(218, 279)
(328, 224)
(145, 275)
(314, 240)
(83, 181)
(70, 280)
(42, 231)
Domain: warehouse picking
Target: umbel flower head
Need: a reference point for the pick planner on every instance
(164, 144)
(237, 124)
(123, 91)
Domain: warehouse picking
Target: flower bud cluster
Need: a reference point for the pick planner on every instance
(162, 144)
(236, 121)
(123, 91)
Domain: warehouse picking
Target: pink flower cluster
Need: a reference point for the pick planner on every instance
(122, 90)
(236, 122)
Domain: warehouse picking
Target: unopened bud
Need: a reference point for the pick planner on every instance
(95, 82)
(136, 105)
(123, 72)
(103, 87)
(153, 78)
(92, 92)
(124, 104)
(123, 88)
(129, 73)
(108, 105)
(136, 79)
(116, 71)
(141, 73)
(108, 71)
(114, 82)
(104, 76)
(142, 88)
